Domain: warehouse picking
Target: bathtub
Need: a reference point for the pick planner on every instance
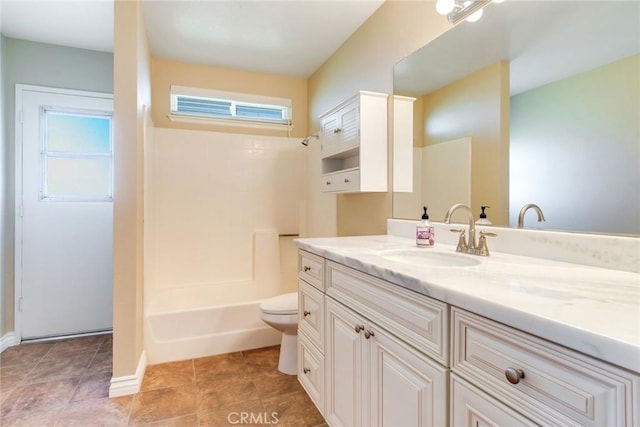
(204, 329)
(187, 320)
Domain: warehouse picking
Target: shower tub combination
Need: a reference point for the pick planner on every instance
(196, 321)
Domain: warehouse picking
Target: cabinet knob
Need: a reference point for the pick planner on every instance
(346, 180)
(306, 370)
(306, 268)
(306, 313)
(368, 334)
(328, 182)
(337, 130)
(514, 375)
(359, 328)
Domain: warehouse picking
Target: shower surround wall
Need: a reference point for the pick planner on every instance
(220, 202)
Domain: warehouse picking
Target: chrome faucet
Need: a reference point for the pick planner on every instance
(524, 209)
(471, 247)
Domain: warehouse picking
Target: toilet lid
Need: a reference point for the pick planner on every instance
(282, 304)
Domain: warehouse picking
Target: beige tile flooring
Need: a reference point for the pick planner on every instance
(67, 382)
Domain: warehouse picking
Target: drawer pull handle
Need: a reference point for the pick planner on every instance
(306, 370)
(306, 313)
(514, 375)
(306, 268)
(359, 328)
(368, 334)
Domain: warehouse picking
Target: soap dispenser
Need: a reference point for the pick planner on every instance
(483, 217)
(425, 236)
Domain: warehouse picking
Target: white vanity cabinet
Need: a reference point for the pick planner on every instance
(373, 376)
(547, 383)
(311, 309)
(354, 145)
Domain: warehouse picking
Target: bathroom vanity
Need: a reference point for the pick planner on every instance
(390, 334)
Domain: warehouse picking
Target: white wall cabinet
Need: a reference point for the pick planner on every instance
(402, 144)
(354, 145)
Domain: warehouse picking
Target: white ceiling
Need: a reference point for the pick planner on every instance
(285, 37)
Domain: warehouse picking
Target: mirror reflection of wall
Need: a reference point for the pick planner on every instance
(565, 139)
(581, 130)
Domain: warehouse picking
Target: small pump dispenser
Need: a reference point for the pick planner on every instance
(425, 236)
(483, 217)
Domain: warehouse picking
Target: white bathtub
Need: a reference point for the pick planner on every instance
(186, 333)
(186, 320)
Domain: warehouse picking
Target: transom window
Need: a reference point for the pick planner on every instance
(77, 156)
(206, 104)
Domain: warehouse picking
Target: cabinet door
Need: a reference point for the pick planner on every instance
(407, 388)
(345, 354)
(349, 117)
(471, 407)
(330, 131)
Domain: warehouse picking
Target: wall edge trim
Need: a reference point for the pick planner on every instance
(7, 340)
(129, 384)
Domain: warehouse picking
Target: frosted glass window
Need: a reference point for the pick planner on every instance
(78, 156)
(78, 177)
(78, 134)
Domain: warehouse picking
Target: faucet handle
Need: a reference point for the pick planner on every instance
(462, 242)
(483, 249)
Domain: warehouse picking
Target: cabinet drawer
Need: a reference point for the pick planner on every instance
(348, 181)
(471, 407)
(557, 386)
(311, 268)
(419, 320)
(311, 308)
(311, 371)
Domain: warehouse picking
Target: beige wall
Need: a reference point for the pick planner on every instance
(165, 73)
(131, 92)
(364, 62)
(477, 106)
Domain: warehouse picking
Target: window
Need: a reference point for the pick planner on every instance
(77, 158)
(204, 104)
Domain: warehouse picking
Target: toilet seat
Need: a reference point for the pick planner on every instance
(282, 304)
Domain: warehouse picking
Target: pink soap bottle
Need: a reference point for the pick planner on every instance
(425, 236)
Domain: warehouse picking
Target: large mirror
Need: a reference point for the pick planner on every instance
(537, 102)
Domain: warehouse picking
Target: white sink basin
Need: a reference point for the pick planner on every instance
(428, 257)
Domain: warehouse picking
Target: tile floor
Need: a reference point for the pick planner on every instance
(67, 383)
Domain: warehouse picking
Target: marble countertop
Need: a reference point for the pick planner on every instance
(595, 311)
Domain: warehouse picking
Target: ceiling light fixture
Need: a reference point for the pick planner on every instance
(457, 10)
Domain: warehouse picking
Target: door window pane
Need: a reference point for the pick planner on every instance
(78, 134)
(77, 156)
(78, 177)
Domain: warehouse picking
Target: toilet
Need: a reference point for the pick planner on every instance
(281, 313)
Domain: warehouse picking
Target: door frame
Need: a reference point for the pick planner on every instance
(17, 228)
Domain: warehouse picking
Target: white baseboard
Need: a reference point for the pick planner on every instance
(7, 340)
(129, 384)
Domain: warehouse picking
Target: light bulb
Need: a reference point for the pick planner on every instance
(444, 7)
(475, 16)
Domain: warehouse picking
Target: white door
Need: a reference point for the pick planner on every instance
(64, 212)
